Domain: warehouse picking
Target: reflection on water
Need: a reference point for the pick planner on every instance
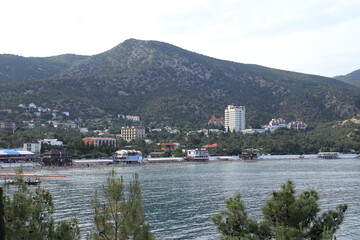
(180, 199)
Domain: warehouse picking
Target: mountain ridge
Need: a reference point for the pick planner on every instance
(169, 85)
(14, 68)
(352, 78)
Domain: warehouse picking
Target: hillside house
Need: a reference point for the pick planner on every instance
(94, 141)
(169, 147)
(297, 125)
(7, 126)
(275, 124)
(133, 118)
(216, 121)
(52, 142)
(133, 132)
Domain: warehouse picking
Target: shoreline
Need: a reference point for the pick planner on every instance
(105, 165)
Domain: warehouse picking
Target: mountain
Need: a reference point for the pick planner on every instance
(351, 78)
(16, 68)
(166, 84)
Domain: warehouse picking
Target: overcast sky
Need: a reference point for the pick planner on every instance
(310, 36)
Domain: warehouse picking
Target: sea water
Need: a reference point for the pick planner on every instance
(181, 198)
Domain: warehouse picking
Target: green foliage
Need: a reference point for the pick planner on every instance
(285, 217)
(234, 223)
(17, 68)
(351, 78)
(28, 215)
(2, 216)
(171, 86)
(67, 230)
(120, 216)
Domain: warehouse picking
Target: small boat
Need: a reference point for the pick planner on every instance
(35, 181)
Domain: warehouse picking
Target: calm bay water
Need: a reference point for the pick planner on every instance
(180, 199)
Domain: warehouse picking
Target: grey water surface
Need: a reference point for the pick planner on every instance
(181, 198)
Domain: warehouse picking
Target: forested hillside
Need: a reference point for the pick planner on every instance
(351, 78)
(168, 85)
(16, 68)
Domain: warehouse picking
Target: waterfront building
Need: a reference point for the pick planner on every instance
(128, 156)
(250, 154)
(197, 155)
(16, 155)
(94, 141)
(34, 147)
(234, 118)
(56, 158)
(328, 155)
(129, 133)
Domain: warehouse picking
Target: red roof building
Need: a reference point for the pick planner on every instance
(216, 121)
(210, 145)
(100, 141)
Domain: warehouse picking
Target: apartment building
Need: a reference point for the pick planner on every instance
(100, 141)
(129, 133)
(234, 118)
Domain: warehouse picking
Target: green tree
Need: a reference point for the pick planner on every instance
(67, 230)
(120, 217)
(285, 217)
(2, 215)
(28, 215)
(234, 223)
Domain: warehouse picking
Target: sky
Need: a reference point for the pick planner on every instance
(310, 36)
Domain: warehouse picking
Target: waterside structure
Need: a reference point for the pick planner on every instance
(328, 155)
(128, 156)
(250, 154)
(197, 155)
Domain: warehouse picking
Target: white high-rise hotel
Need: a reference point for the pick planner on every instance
(234, 118)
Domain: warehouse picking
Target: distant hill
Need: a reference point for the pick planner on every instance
(351, 78)
(16, 68)
(165, 84)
